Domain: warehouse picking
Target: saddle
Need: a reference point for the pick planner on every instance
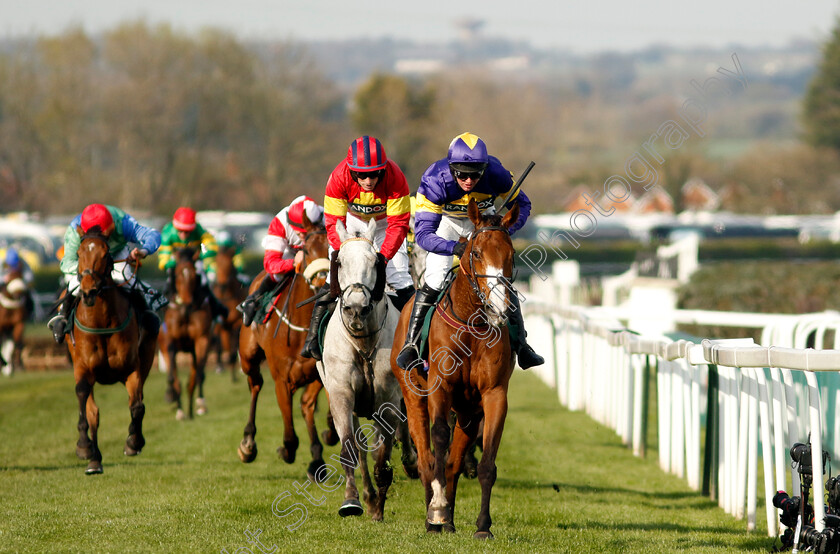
(267, 302)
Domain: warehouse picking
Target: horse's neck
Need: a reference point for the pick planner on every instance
(104, 309)
(464, 295)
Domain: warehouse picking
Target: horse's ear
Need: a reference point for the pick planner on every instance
(341, 230)
(307, 225)
(80, 232)
(370, 234)
(472, 211)
(511, 217)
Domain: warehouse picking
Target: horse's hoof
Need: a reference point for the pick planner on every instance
(438, 516)
(180, 415)
(483, 535)
(201, 407)
(351, 507)
(312, 470)
(286, 455)
(470, 469)
(246, 454)
(448, 527)
(219, 370)
(433, 528)
(94, 468)
(411, 471)
(329, 438)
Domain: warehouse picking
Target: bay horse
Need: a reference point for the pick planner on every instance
(107, 345)
(231, 292)
(13, 315)
(356, 372)
(278, 339)
(187, 328)
(470, 365)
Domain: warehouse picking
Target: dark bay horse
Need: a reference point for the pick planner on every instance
(107, 345)
(13, 316)
(470, 364)
(279, 340)
(187, 328)
(231, 292)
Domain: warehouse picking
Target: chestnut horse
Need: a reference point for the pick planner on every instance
(187, 328)
(470, 365)
(279, 340)
(13, 316)
(231, 292)
(107, 345)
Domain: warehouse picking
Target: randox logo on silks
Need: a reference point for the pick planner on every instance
(364, 209)
(482, 205)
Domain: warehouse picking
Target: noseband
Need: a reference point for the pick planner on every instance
(375, 295)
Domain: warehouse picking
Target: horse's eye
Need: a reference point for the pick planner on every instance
(475, 253)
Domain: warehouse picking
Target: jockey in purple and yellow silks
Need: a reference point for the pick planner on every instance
(441, 222)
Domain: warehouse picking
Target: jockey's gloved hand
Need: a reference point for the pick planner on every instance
(458, 249)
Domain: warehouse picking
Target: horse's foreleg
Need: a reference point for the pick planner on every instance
(369, 494)
(307, 408)
(248, 447)
(84, 449)
(418, 427)
(343, 413)
(135, 441)
(202, 351)
(173, 384)
(495, 411)
(191, 382)
(408, 454)
(95, 464)
(282, 389)
(438, 512)
(383, 474)
(462, 437)
(17, 338)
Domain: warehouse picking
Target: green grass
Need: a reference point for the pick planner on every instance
(565, 484)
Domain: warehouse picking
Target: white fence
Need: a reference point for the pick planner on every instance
(741, 394)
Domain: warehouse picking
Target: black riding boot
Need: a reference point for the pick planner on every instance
(248, 307)
(403, 295)
(424, 299)
(311, 348)
(527, 356)
(58, 324)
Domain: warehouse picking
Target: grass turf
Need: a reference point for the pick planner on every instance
(565, 484)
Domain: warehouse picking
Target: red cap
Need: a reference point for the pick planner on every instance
(301, 205)
(96, 215)
(184, 219)
(366, 154)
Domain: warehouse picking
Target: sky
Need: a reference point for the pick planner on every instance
(581, 26)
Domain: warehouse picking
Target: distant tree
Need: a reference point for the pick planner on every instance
(402, 115)
(821, 113)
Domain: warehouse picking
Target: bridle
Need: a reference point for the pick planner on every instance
(473, 277)
(100, 280)
(312, 233)
(373, 295)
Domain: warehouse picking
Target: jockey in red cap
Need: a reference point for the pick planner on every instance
(120, 230)
(283, 249)
(185, 232)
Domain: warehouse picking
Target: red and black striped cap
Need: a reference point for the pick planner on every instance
(366, 154)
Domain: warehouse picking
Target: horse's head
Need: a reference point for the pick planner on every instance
(95, 266)
(488, 261)
(361, 280)
(186, 276)
(316, 249)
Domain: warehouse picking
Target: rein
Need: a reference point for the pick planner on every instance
(104, 330)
